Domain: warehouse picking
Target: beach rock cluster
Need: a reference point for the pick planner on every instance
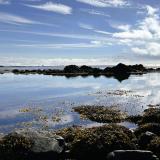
(109, 141)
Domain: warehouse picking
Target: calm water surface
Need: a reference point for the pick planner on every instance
(47, 101)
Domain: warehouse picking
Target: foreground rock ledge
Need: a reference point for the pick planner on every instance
(108, 142)
(31, 145)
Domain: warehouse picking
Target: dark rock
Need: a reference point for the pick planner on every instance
(137, 68)
(134, 118)
(151, 115)
(121, 69)
(154, 146)
(31, 145)
(145, 139)
(131, 155)
(150, 127)
(86, 69)
(71, 69)
(15, 71)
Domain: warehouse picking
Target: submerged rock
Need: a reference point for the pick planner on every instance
(101, 114)
(131, 155)
(31, 145)
(96, 142)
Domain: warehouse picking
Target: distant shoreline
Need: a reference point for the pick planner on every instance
(120, 71)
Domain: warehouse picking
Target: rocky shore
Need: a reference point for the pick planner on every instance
(110, 141)
(120, 71)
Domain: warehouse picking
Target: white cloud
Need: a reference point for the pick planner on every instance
(89, 27)
(103, 32)
(151, 11)
(144, 37)
(134, 34)
(152, 49)
(120, 26)
(148, 28)
(61, 45)
(94, 12)
(14, 19)
(4, 2)
(85, 26)
(62, 35)
(105, 3)
(123, 27)
(139, 50)
(18, 20)
(53, 7)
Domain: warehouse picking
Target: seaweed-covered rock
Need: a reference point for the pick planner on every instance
(150, 127)
(131, 155)
(134, 118)
(71, 69)
(101, 114)
(154, 146)
(145, 139)
(151, 115)
(97, 142)
(31, 145)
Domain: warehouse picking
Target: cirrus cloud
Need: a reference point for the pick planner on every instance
(105, 3)
(53, 7)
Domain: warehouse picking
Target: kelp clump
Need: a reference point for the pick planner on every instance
(97, 142)
(101, 114)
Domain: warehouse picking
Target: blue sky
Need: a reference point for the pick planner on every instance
(61, 32)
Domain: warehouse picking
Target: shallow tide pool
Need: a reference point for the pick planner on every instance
(47, 101)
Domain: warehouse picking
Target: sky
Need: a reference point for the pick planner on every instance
(91, 32)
